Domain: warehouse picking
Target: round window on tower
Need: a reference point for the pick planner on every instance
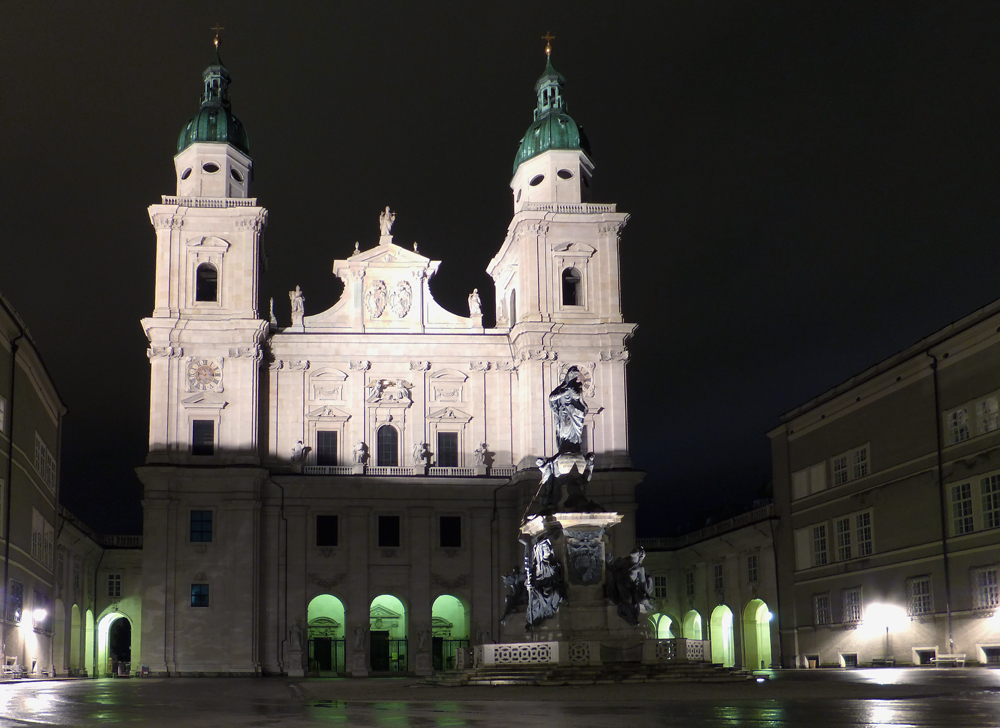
(537, 180)
(236, 174)
(210, 167)
(186, 173)
(565, 174)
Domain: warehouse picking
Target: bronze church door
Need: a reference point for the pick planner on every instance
(380, 651)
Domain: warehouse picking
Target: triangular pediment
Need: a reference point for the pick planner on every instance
(574, 247)
(328, 412)
(389, 254)
(210, 242)
(204, 400)
(450, 414)
(380, 612)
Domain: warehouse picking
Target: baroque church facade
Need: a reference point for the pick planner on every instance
(343, 494)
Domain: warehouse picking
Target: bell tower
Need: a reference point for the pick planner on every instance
(205, 333)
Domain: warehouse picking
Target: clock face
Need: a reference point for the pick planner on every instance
(203, 374)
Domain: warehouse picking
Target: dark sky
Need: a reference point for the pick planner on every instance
(813, 186)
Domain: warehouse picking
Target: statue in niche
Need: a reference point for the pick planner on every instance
(545, 584)
(628, 586)
(360, 452)
(475, 303)
(518, 597)
(568, 410)
(385, 220)
(298, 306)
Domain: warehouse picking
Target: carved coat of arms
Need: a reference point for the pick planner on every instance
(375, 298)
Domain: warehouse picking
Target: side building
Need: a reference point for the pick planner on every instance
(887, 488)
(31, 413)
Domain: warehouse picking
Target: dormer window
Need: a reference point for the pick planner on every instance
(206, 283)
(572, 293)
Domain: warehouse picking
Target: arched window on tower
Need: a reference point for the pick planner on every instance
(513, 307)
(387, 442)
(206, 283)
(572, 294)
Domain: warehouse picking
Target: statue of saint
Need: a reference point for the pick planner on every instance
(419, 454)
(359, 452)
(568, 410)
(298, 306)
(475, 304)
(385, 220)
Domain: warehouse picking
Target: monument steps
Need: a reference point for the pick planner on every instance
(553, 675)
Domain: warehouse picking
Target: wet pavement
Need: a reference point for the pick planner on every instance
(956, 698)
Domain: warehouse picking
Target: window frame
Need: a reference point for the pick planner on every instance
(919, 600)
(985, 591)
(962, 517)
(441, 529)
(851, 465)
(854, 609)
(334, 454)
(379, 448)
(114, 585)
(336, 529)
(448, 433)
(215, 437)
(378, 531)
(822, 609)
(820, 545)
(753, 569)
(191, 526)
(206, 594)
(197, 282)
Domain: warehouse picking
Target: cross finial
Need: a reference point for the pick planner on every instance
(218, 29)
(548, 38)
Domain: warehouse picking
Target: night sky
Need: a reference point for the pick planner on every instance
(813, 186)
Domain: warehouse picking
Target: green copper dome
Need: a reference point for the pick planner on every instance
(215, 122)
(553, 128)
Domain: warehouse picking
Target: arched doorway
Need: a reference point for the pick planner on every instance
(114, 645)
(663, 626)
(387, 617)
(75, 639)
(692, 625)
(449, 631)
(327, 643)
(723, 651)
(59, 663)
(757, 635)
(88, 655)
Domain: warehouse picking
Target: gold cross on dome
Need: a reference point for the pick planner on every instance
(548, 38)
(218, 29)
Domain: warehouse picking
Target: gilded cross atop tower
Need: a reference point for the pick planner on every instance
(548, 38)
(218, 29)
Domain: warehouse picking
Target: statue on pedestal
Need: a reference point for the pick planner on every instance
(629, 587)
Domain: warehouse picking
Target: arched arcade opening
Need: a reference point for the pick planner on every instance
(326, 638)
(449, 631)
(757, 635)
(663, 626)
(723, 648)
(114, 645)
(387, 621)
(692, 625)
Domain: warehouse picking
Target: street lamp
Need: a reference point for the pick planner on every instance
(884, 616)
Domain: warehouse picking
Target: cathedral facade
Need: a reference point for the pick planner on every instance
(342, 495)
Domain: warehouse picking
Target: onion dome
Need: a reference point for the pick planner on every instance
(553, 128)
(215, 122)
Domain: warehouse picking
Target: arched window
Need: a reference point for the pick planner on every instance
(206, 283)
(513, 307)
(388, 446)
(572, 295)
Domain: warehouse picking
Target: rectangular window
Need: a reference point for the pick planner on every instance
(45, 464)
(990, 489)
(326, 530)
(986, 588)
(843, 529)
(988, 414)
(821, 609)
(115, 586)
(199, 595)
(451, 532)
(689, 584)
(753, 572)
(659, 587)
(388, 531)
(203, 437)
(958, 426)
(852, 605)
(326, 447)
(860, 462)
(719, 580)
(918, 595)
(447, 446)
(201, 526)
(76, 577)
(961, 508)
(864, 533)
(37, 528)
(840, 470)
(43, 539)
(819, 545)
(15, 603)
(809, 480)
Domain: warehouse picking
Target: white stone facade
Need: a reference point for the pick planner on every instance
(385, 446)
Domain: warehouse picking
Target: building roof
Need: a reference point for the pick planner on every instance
(553, 127)
(215, 121)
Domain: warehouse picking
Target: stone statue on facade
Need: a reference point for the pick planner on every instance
(298, 306)
(419, 454)
(360, 632)
(545, 583)
(568, 410)
(475, 303)
(385, 221)
(299, 452)
(480, 454)
(518, 596)
(629, 588)
(360, 452)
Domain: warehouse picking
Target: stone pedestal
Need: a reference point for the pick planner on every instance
(295, 668)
